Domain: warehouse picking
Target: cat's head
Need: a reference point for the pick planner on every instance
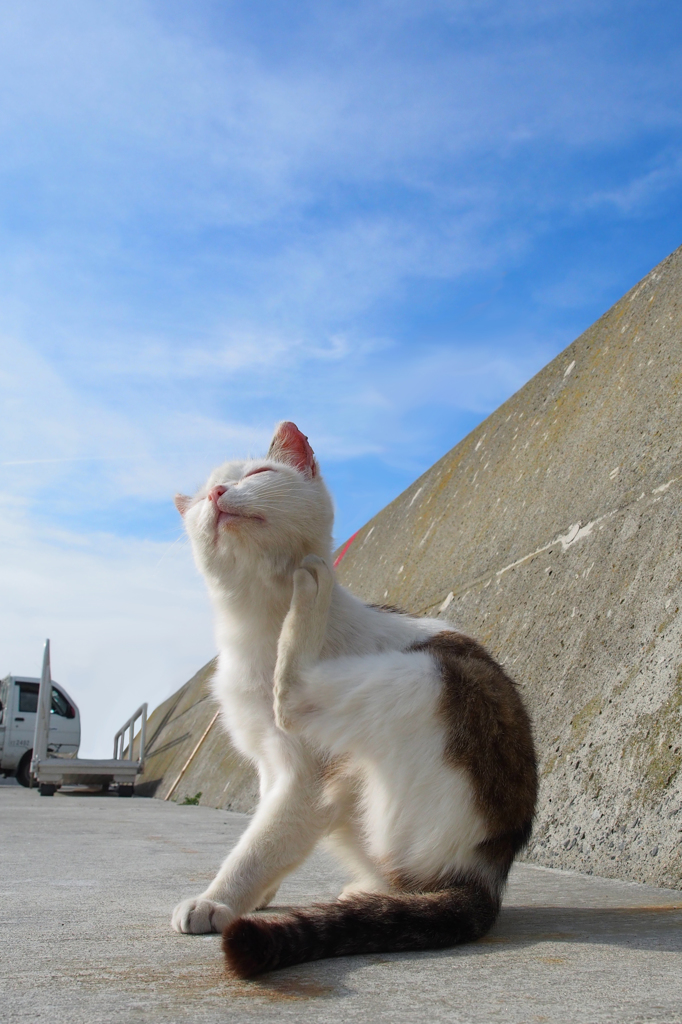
(276, 508)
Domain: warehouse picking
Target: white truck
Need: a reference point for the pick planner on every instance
(18, 708)
(40, 734)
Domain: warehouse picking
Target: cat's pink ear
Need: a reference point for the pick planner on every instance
(182, 503)
(291, 446)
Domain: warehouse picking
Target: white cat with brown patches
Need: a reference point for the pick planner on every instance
(404, 744)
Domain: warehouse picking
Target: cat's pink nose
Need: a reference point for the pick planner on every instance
(215, 493)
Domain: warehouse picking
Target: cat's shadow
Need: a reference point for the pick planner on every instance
(655, 928)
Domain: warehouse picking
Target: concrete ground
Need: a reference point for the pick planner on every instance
(89, 883)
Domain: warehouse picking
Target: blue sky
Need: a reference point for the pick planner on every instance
(378, 219)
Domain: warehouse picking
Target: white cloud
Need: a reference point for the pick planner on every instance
(70, 451)
(642, 190)
(241, 138)
(95, 448)
(156, 149)
(128, 619)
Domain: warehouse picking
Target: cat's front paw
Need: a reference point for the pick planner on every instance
(198, 916)
(313, 582)
(281, 719)
(284, 718)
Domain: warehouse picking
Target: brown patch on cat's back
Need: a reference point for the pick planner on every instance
(489, 735)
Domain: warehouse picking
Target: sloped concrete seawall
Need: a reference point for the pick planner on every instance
(553, 534)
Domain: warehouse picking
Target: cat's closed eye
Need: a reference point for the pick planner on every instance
(264, 469)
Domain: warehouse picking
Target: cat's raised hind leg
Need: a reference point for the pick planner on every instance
(303, 632)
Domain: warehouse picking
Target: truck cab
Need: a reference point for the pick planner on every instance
(18, 707)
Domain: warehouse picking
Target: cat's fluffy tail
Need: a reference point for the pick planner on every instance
(366, 923)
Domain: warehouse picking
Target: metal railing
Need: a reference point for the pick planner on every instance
(129, 726)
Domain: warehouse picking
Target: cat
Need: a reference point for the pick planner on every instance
(398, 740)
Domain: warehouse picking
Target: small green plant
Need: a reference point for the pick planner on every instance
(191, 800)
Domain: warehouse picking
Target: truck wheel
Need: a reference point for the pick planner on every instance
(24, 769)
(47, 790)
(125, 790)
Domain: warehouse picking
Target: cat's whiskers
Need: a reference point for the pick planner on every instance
(181, 538)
